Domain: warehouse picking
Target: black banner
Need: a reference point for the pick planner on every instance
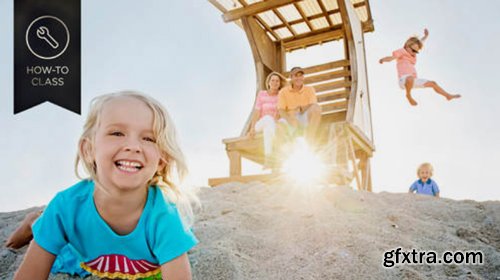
(47, 54)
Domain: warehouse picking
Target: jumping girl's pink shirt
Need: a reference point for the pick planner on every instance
(267, 104)
(405, 63)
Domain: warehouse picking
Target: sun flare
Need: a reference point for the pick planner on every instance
(303, 166)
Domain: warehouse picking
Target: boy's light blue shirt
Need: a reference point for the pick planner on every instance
(72, 218)
(430, 187)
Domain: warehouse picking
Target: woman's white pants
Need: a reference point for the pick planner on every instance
(267, 125)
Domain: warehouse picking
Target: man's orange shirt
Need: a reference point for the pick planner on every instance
(290, 99)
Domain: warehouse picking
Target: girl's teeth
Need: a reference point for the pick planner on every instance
(128, 169)
(128, 163)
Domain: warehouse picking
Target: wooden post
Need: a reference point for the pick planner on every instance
(234, 163)
(368, 175)
(353, 158)
(363, 165)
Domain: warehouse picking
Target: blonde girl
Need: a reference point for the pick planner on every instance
(406, 58)
(130, 219)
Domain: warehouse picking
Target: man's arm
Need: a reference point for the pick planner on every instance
(306, 107)
(289, 116)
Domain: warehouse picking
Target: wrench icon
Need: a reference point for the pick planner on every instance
(43, 33)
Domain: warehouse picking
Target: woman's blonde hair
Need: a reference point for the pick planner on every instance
(281, 77)
(414, 40)
(165, 134)
(425, 165)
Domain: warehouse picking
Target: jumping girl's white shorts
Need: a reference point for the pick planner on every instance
(418, 83)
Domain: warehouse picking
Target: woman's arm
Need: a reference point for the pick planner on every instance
(255, 118)
(386, 59)
(36, 264)
(177, 269)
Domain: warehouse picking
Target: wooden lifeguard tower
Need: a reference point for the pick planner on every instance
(275, 27)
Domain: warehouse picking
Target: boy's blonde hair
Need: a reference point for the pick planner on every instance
(425, 165)
(414, 40)
(165, 134)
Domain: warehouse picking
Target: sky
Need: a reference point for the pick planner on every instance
(201, 69)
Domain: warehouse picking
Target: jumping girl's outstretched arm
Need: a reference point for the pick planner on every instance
(426, 34)
(36, 264)
(386, 59)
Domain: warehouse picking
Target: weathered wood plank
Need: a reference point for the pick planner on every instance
(254, 9)
(332, 85)
(323, 67)
(327, 76)
(213, 182)
(337, 106)
(332, 95)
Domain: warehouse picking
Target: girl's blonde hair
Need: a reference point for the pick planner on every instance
(425, 165)
(414, 40)
(165, 134)
(281, 77)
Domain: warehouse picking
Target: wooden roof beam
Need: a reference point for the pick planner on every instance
(280, 16)
(268, 28)
(311, 39)
(262, 22)
(309, 18)
(218, 5)
(325, 13)
(303, 15)
(254, 9)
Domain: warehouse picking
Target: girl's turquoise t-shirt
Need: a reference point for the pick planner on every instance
(71, 218)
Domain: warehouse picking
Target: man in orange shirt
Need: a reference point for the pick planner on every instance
(298, 105)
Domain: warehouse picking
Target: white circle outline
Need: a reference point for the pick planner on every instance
(44, 57)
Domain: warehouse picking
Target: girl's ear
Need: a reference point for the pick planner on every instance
(162, 163)
(86, 150)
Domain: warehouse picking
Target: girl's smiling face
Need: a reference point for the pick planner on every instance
(124, 148)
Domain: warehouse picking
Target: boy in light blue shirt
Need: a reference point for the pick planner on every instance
(424, 185)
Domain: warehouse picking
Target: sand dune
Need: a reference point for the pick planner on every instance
(254, 231)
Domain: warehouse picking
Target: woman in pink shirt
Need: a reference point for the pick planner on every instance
(406, 59)
(265, 113)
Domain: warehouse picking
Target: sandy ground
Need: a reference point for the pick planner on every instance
(254, 231)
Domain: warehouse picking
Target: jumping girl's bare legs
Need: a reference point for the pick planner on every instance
(441, 91)
(408, 86)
